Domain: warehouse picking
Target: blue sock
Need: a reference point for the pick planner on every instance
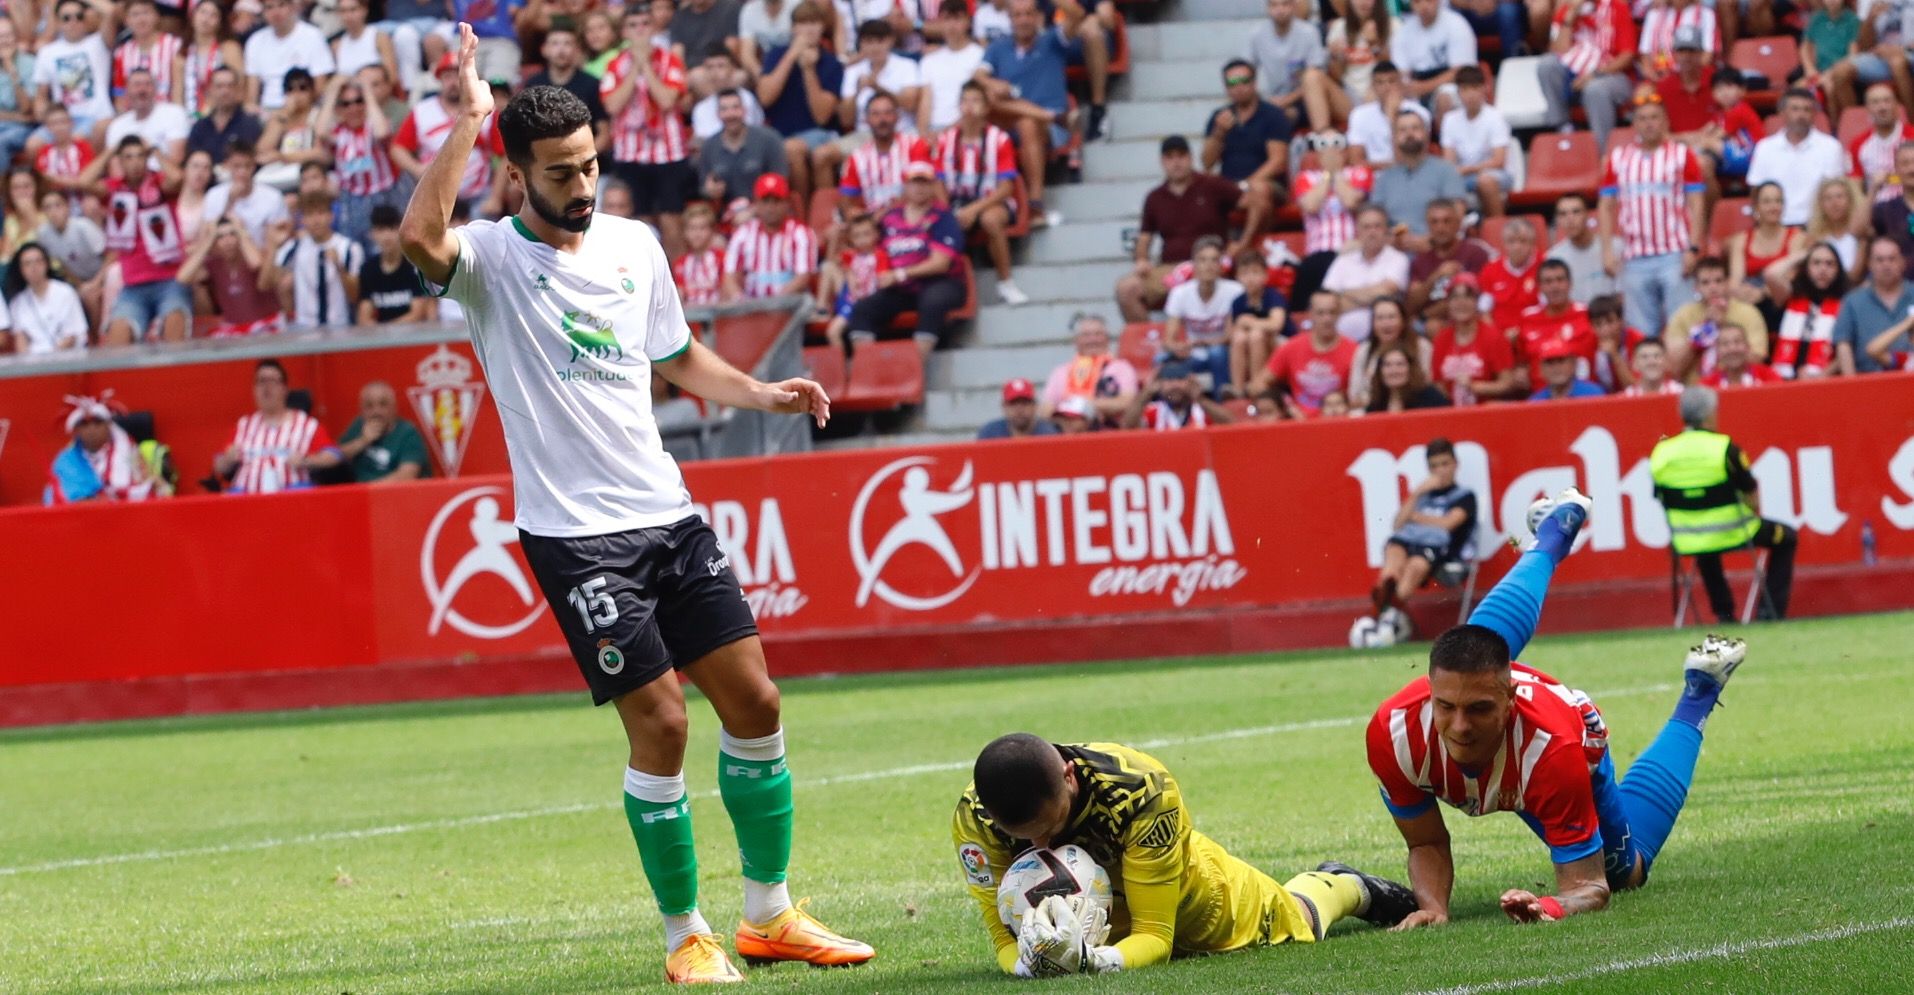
(1657, 783)
(1514, 607)
(1697, 700)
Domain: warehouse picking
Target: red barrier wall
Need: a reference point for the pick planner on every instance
(1237, 538)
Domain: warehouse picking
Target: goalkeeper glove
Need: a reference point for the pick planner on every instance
(1051, 940)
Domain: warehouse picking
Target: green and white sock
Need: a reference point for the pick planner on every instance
(756, 787)
(660, 818)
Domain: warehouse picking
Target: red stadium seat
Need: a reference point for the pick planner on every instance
(825, 364)
(1141, 341)
(823, 213)
(884, 376)
(1295, 240)
(1854, 122)
(1559, 164)
(1732, 214)
(1774, 57)
(1617, 137)
(1491, 231)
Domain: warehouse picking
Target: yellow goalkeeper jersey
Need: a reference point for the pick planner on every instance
(1184, 893)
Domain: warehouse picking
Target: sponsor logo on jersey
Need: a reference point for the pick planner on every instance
(487, 556)
(447, 401)
(976, 865)
(758, 552)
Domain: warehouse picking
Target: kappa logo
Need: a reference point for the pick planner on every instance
(975, 863)
(921, 505)
(488, 555)
(447, 401)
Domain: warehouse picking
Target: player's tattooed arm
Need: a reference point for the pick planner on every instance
(1431, 868)
(1580, 886)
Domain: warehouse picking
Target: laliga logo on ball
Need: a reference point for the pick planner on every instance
(919, 527)
(488, 555)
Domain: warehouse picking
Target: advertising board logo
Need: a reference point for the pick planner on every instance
(488, 555)
(921, 505)
(447, 401)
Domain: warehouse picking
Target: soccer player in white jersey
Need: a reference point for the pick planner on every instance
(570, 314)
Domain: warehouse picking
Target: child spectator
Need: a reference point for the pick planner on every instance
(1476, 138)
(700, 271)
(62, 160)
(977, 164)
(1199, 313)
(318, 271)
(853, 276)
(389, 288)
(1257, 319)
(1615, 342)
(1650, 367)
(1736, 125)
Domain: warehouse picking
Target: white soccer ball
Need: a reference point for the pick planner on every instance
(1363, 632)
(1395, 625)
(1038, 873)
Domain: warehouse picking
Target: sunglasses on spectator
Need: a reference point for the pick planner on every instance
(1238, 80)
(352, 102)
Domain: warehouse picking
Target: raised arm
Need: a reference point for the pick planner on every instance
(425, 233)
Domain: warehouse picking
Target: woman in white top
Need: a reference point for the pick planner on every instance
(1357, 41)
(47, 316)
(360, 44)
(1388, 322)
(1839, 220)
(190, 207)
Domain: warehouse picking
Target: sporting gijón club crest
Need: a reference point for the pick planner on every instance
(447, 401)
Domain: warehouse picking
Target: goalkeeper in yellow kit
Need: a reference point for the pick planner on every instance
(1184, 894)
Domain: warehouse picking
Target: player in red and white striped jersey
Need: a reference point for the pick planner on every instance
(1484, 734)
(773, 253)
(874, 174)
(425, 130)
(699, 273)
(150, 49)
(977, 164)
(1871, 153)
(63, 160)
(275, 448)
(1651, 193)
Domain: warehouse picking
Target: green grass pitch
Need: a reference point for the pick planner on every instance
(480, 847)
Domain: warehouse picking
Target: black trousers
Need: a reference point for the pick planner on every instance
(1780, 541)
(933, 299)
(1309, 279)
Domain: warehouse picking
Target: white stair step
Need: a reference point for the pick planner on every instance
(1065, 282)
(948, 410)
(1153, 119)
(1036, 324)
(985, 367)
(1188, 78)
(1209, 42)
(1109, 200)
(1075, 242)
(1131, 160)
(1221, 10)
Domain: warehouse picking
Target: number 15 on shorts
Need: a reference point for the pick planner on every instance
(596, 609)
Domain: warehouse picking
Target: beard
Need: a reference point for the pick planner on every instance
(557, 218)
(1414, 147)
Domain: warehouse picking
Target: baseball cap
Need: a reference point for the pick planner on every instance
(1074, 407)
(1175, 369)
(1175, 144)
(771, 186)
(1019, 389)
(1554, 348)
(1688, 39)
(920, 170)
(1464, 280)
(448, 63)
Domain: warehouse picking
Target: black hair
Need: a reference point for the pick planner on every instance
(884, 95)
(971, 84)
(1470, 76)
(1238, 64)
(386, 216)
(1804, 287)
(1015, 776)
(874, 29)
(1606, 306)
(270, 363)
(953, 8)
(130, 141)
(1438, 446)
(731, 91)
(539, 112)
(1549, 264)
(1715, 263)
(1469, 649)
(295, 74)
(240, 146)
(16, 281)
(1799, 93)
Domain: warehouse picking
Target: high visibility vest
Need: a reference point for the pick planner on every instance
(1706, 513)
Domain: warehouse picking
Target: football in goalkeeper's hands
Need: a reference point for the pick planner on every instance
(1038, 873)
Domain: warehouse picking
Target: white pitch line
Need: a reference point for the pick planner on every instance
(462, 822)
(1717, 952)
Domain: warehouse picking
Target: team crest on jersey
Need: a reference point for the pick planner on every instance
(625, 281)
(447, 401)
(1162, 832)
(610, 660)
(976, 865)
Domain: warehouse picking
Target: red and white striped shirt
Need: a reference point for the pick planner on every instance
(1658, 33)
(1651, 189)
(269, 451)
(877, 177)
(971, 169)
(1603, 30)
(1160, 417)
(361, 161)
(643, 131)
(862, 270)
(770, 259)
(700, 275)
(424, 133)
(1331, 226)
(157, 60)
(1871, 157)
(200, 64)
(1754, 376)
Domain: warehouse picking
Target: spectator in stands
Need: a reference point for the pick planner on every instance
(46, 311)
(1884, 62)
(799, 93)
(102, 464)
(1357, 39)
(977, 164)
(389, 285)
(1027, 78)
(424, 131)
(1308, 368)
(493, 22)
(1073, 417)
(1804, 337)
(1107, 383)
(208, 48)
(1371, 269)
(1198, 312)
(1798, 157)
(603, 42)
(1558, 318)
(1734, 366)
(1430, 45)
(1894, 218)
(1579, 247)
(1448, 255)
(16, 93)
(564, 55)
(1172, 400)
(773, 253)
(292, 135)
(874, 172)
(1615, 344)
(1893, 348)
(1372, 126)
(1476, 140)
(1767, 246)
(1873, 309)
(1840, 218)
(699, 27)
(232, 269)
(1650, 366)
(73, 70)
(1399, 384)
(762, 26)
(1432, 529)
(1470, 360)
(318, 272)
(380, 446)
(1728, 143)
(22, 209)
(1871, 153)
(1327, 197)
(1258, 320)
(356, 135)
(1658, 214)
(76, 243)
(276, 447)
(650, 149)
(143, 233)
(161, 124)
(419, 37)
(1186, 206)
(1417, 178)
(732, 160)
(359, 43)
(1687, 93)
(1290, 57)
(1020, 415)
(226, 122)
(855, 274)
(1559, 381)
(1335, 405)
(254, 205)
(1247, 140)
(925, 248)
(1693, 329)
(1388, 326)
(1830, 39)
(1593, 49)
(1509, 281)
(878, 69)
(64, 158)
(284, 44)
(1665, 21)
(699, 272)
(721, 72)
(951, 67)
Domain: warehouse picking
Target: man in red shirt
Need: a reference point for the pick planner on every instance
(1686, 92)
(1509, 280)
(1483, 734)
(142, 231)
(1735, 365)
(1471, 360)
(1557, 317)
(1307, 368)
(1187, 206)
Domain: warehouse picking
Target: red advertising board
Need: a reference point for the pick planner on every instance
(1122, 530)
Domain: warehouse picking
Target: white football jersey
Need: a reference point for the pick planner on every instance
(567, 341)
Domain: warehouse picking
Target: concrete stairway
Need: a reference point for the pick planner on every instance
(1173, 84)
